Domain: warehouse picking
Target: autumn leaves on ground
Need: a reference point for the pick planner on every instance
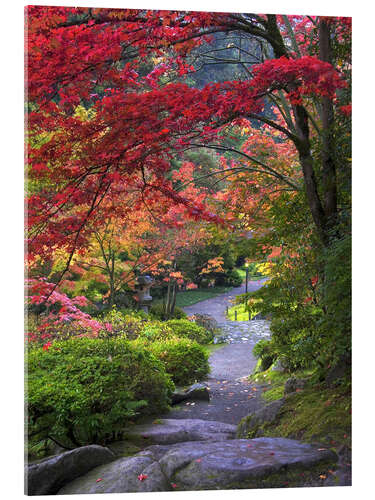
(200, 149)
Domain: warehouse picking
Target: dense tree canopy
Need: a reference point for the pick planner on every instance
(184, 124)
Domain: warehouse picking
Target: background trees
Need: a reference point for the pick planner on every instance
(237, 120)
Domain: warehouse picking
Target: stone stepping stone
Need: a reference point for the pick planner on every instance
(201, 465)
(169, 431)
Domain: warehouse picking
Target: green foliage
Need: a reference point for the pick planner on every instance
(157, 311)
(184, 359)
(335, 325)
(264, 350)
(123, 325)
(84, 390)
(187, 329)
(231, 277)
(194, 260)
(156, 330)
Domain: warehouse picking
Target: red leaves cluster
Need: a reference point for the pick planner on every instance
(306, 76)
(135, 125)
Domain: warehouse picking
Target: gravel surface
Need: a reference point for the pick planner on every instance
(232, 396)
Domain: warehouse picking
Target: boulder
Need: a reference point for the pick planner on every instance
(250, 426)
(169, 431)
(140, 473)
(194, 392)
(48, 475)
(341, 370)
(277, 366)
(238, 463)
(201, 465)
(292, 384)
(207, 321)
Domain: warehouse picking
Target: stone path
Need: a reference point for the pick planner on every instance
(195, 447)
(232, 397)
(216, 307)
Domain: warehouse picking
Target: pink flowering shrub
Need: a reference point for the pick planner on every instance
(62, 318)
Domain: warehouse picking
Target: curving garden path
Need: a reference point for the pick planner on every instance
(232, 396)
(194, 447)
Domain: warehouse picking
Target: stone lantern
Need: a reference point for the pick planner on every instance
(143, 286)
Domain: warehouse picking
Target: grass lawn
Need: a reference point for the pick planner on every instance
(190, 297)
(242, 272)
(242, 315)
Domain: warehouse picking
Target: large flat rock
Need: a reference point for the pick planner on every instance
(236, 463)
(121, 476)
(201, 465)
(170, 431)
(47, 476)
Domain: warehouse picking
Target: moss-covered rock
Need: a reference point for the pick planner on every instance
(251, 426)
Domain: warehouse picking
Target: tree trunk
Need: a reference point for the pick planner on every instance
(168, 301)
(328, 147)
(111, 272)
(174, 295)
(307, 163)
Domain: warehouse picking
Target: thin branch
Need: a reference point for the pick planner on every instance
(267, 168)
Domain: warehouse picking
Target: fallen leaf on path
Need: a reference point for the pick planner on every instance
(99, 479)
(142, 477)
(323, 476)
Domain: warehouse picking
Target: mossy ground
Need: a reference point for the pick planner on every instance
(274, 382)
(315, 414)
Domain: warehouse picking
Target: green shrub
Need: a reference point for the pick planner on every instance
(187, 329)
(156, 330)
(157, 311)
(231, 277)
(84, 390)
(184, 359)
(264, 351)
(122, 325)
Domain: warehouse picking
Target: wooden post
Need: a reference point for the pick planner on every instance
(249, 316)
(235, 315)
